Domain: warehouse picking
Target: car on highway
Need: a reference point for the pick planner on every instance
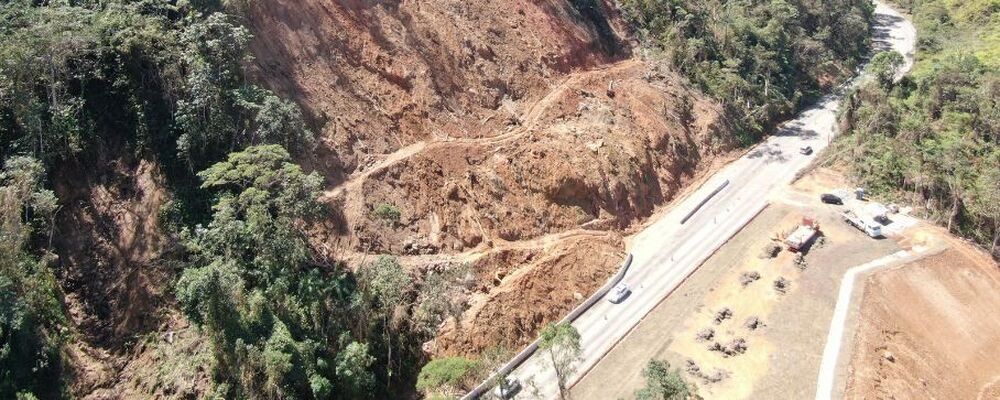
(618, 293)
(830, 198)
(806, 150)
(508, 388)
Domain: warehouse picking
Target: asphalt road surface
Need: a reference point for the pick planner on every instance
(667, 252)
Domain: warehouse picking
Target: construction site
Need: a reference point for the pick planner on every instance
(752, 321)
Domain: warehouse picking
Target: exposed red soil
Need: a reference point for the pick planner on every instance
(929, 329)
(113, 278)
(525, 289)
(487, 124)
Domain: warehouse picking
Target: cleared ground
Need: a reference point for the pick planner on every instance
(930, 329)
(782, 357)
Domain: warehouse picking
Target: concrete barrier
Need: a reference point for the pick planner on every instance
(705, 200)
(533, 347)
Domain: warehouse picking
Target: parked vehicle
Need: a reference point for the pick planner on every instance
(803, 235)
(508, 388)
(830, 198)
(618, 293)
(878, 212)
(806, 150)
(869, 227)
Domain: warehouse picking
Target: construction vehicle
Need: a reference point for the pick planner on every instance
(877, 212)
(866, 225)
(803, 235)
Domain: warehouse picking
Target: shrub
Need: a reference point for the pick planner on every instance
(444, 372)
(388, 212)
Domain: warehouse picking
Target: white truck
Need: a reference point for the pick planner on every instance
(866, 225)
(878, 212)
(803, 235)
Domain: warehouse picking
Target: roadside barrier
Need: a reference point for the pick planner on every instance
(705, 200)
(533, 347)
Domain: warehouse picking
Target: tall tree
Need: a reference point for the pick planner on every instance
(561, 342)
(662, 383)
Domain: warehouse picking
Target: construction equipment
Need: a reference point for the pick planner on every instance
(803, 235)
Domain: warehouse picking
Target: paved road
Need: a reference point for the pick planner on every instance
(667, 252)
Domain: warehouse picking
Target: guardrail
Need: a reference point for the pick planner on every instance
(533, 347)
(705, 200)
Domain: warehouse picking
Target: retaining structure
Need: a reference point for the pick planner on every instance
(533, 347)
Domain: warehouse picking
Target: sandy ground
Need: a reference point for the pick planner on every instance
(929, 330)
(783, 357)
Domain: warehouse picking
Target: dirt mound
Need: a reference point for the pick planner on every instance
(478, 125)
(529, 289)
(486, 124)
(584, 158)
(115, 283)
(929, 330)
(381, 75)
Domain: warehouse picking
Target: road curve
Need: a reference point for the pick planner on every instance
(666, 252)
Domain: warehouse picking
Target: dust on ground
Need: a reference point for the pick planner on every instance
(782, 355)
(929, 329)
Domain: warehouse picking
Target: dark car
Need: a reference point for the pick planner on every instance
(806, 150)
(831, 198)
(508, 387)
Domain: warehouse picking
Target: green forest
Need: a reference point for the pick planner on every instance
(84, 83)
(164, 81)
(931, 139)
(762, 60)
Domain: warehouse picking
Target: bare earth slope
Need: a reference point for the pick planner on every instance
(488, 124)
(929, 330)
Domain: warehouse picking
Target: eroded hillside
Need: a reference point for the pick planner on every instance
(488, 125)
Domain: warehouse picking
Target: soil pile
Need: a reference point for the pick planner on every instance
(487, 124)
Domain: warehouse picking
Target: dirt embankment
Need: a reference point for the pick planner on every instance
(929, 330)
(116, 284)
(487, 124)
(382, 75)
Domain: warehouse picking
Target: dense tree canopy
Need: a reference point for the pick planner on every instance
(761, 59)
(30, 313)
(165, 82)
(932, 138)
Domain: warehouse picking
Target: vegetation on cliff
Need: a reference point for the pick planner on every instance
(166, 83)
(762, 60)
(931, 138)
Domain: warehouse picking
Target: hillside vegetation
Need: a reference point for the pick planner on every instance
(932, 138)
(91, 89)
(763, 60)
(169, 226)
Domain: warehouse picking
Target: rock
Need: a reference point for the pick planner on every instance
(889, 357)
(771, 250)
(781, 285)
(578, 295)
(595, 145)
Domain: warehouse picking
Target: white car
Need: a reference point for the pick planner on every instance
(507, 388)
(618, 293)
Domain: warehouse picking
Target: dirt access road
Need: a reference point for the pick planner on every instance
(927, 329)
(667, 251)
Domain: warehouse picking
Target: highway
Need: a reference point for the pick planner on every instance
(666, 252)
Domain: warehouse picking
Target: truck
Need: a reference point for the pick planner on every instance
(804, 234)
(878, 212)
(868, 226)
